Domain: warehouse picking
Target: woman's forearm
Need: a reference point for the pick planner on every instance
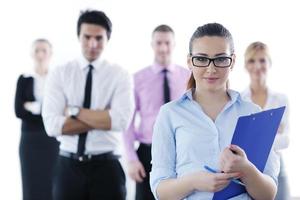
(173, 189)
(259, 186)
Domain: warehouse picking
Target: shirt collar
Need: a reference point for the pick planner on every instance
(84, 63)
(234, 96)
(157, 68)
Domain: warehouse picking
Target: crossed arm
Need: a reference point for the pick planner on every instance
(113, 117)
(86, 120)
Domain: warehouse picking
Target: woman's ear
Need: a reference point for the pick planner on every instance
(189, 62)
(233, 61)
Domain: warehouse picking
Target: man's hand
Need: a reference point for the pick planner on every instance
(136, 171)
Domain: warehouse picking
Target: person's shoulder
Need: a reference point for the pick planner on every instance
(115, 71)
(114, 67)
(142, 72)
(246, 92)
(244, 104)
(140, 75)
(26, 76)
(181, 68)
(249, 106)
(183, 71)
(65, 68)
(22, 80)
(278, 97)
(176, 103)
(168, 107)
(68, 65)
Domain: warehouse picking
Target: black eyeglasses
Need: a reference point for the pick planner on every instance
(202, 61)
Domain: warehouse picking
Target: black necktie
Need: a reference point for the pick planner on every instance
(86, 104)
(166, 87)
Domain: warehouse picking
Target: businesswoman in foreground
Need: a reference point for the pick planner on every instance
(37, 150)
(257, 63)
(196, 130)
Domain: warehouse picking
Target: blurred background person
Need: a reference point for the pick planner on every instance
(37, 150)
(257, 63)
(87, 105)
(154, 85)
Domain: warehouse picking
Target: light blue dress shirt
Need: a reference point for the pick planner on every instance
(185, 139)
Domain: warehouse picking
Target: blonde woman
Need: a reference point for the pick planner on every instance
(37, 150)
(257, 63)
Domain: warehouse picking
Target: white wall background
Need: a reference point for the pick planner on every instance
(273, 22)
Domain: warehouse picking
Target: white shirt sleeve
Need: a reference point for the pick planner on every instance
(282, 137)
(54, 104)
(122, 104)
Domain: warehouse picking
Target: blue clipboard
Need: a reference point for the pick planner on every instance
(253, 133)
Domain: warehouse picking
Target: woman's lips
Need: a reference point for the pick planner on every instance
(211, 79)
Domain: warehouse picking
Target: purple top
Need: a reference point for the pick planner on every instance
(148, 90)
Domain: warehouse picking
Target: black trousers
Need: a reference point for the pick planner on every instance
(38, 154)
(143, 191)
(90, 180)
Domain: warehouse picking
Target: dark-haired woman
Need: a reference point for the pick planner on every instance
(197, 129)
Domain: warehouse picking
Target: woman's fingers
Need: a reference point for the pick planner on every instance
(237, 150)
(227, 176)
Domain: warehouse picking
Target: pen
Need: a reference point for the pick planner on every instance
(232, 179)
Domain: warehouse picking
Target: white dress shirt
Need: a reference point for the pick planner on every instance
(112, 89)
(275, 100)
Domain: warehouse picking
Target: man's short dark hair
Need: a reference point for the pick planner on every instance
(94, 17)
(163, 28)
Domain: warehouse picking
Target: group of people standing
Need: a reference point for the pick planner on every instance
(89, 103)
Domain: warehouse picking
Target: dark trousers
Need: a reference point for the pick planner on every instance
(38, 154)
(143, 191)
(90, 180)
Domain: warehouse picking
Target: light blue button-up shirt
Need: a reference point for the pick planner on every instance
(185, 139)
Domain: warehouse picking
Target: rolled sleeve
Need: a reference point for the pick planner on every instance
(54, 104)
(163, 151)
(122, 105)
(273, 166)
(129, 138)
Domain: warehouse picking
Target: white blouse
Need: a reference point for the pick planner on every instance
(275, 100)
(38, 92)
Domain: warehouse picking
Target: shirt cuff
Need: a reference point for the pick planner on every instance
(117, 122)
(54, 125)
(34, 107)
(156, 176)
(132, 156)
